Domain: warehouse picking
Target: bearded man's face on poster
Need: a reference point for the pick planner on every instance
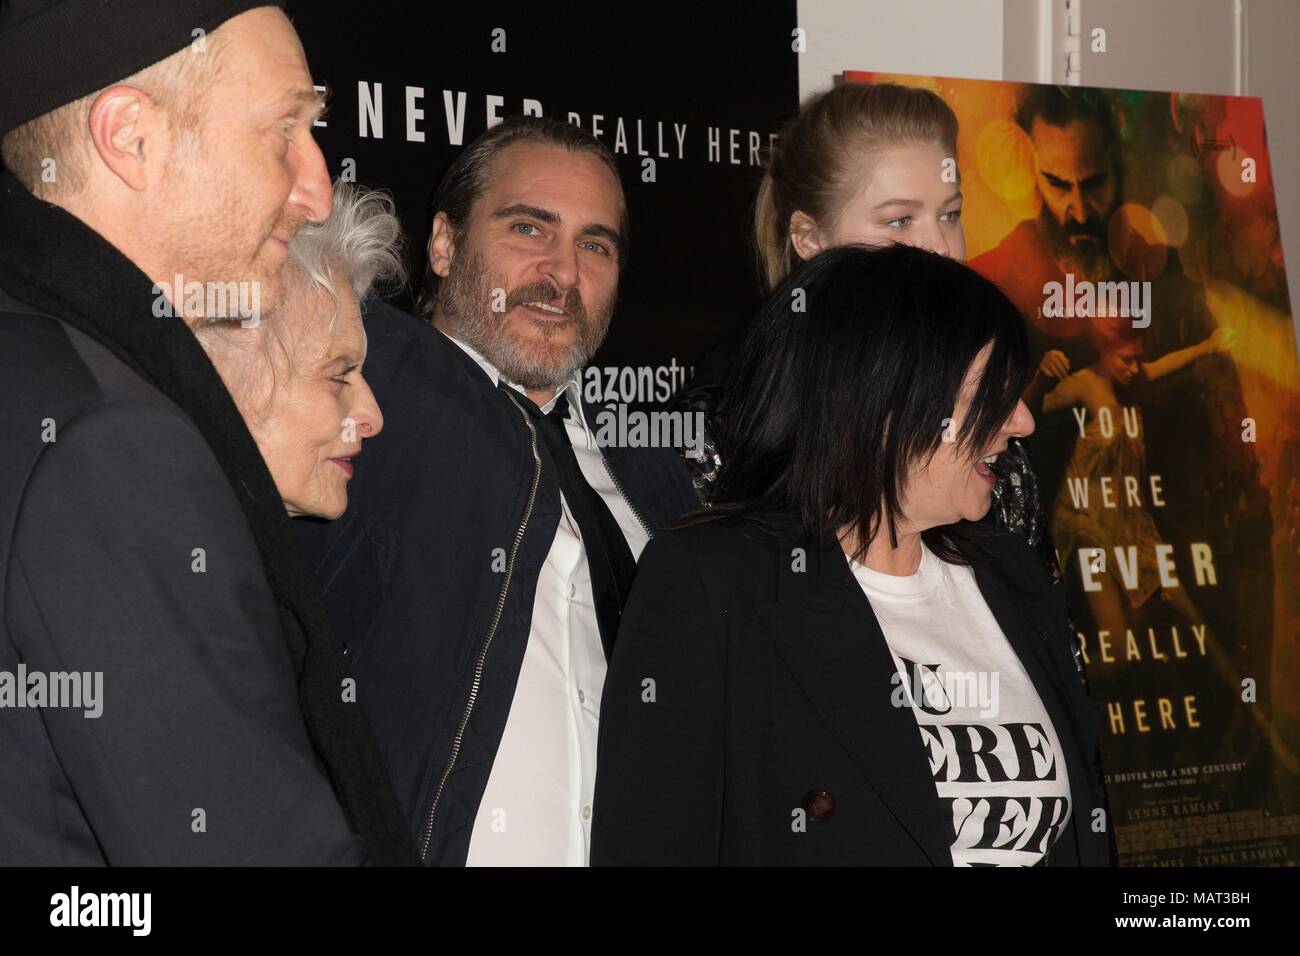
(1077, 180)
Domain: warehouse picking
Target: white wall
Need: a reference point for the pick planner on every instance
(1203, 46)
(929, 37)
(1185, 45)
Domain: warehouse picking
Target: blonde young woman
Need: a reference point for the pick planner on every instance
(870, 164)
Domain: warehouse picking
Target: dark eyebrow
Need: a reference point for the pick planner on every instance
(603, 232)
(1096, 179)
(523, 209)
(551, 219)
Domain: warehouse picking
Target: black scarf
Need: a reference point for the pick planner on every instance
(53, 262)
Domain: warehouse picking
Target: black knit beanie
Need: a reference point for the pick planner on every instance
(55, 51)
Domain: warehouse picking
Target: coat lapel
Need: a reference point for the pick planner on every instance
(828, 635)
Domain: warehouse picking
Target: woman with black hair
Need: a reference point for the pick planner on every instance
(835, 663)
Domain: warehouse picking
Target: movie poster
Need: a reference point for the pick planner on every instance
(1138, 234)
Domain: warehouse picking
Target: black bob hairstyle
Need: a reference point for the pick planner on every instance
(848, 376)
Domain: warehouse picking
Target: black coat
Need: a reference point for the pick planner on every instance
(763, 681)
(431, 573)
(142, 537)
(199, 703)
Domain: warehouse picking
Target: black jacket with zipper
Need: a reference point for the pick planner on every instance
(742, 691)
(431, 573)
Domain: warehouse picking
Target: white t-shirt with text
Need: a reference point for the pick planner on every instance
(992, 750)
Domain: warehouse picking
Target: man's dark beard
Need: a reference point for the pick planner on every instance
(1090, 259)
(465, 302)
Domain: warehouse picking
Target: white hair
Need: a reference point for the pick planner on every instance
(359, 245)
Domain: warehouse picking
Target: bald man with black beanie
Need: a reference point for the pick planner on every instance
(170, 690)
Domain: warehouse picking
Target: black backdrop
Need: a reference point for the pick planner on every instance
(691, 276)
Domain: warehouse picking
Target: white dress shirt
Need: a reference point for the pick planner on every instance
(536, 810)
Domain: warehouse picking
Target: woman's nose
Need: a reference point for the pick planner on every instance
(935, 241)
(369, 419)
(1021, 422)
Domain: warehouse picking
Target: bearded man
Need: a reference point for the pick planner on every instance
(479, 576)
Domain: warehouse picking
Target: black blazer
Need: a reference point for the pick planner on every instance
(200, 705)
(742, 690)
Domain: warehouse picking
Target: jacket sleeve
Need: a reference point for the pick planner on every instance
(659, 775)
(132, 559)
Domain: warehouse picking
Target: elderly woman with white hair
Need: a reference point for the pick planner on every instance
(296, 375)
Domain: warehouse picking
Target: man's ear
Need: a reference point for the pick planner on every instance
(804, 235)
(122, 130)
(442, 246)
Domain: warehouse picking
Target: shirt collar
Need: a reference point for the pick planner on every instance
(572, 388)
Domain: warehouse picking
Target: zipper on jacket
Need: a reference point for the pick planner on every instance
(487, 641)
(631, 507)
